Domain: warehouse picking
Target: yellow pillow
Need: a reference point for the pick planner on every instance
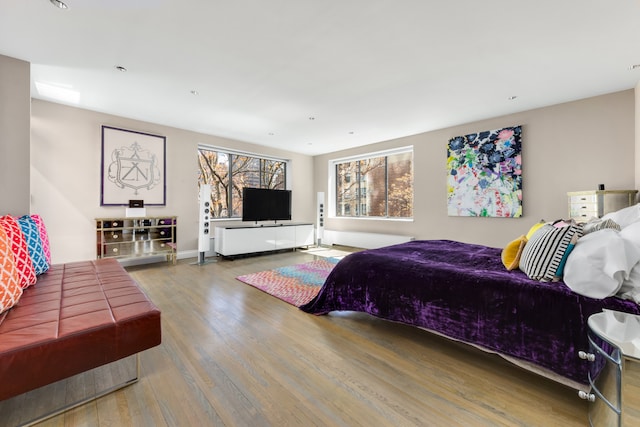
(534, 228)
(511, 253)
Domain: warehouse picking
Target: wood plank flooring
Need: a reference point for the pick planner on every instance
(234, 356)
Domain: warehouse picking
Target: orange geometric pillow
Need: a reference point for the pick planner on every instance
(26, 272)
(10, 289)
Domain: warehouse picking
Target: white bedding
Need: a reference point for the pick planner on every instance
(607, 262)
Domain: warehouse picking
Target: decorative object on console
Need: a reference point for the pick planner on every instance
(133, 164)
(136, 209)
(135, 212)
(485, 174)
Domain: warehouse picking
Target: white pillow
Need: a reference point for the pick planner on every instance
(630, 288)
(624, 216)
(599, 263)
(631, 233)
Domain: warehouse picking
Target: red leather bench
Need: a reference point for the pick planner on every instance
(78, 316)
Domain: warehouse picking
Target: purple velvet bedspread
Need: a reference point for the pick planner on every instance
(464, 292)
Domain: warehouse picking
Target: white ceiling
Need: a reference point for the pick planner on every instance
(365, 70)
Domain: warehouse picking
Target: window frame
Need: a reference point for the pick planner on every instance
(333, 183)
(231, 152)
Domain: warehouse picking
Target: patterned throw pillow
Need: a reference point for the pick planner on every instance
(20, 251)
(534, 228)
(44, 237)
(598, 224)
(34, 243)
(544, 252)
(10, 289)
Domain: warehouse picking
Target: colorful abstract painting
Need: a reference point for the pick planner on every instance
(484, 174)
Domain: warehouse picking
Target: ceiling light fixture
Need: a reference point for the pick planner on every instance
(194, 93)
(635, 67)
(58, 4)
(512, 97)
(121, 68)
(312, 118)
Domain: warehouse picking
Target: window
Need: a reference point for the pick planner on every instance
(376, 185)
(228, 173)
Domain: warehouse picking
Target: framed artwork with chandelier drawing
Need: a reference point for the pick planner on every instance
(133, 167)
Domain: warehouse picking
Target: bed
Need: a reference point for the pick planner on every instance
(464, 292)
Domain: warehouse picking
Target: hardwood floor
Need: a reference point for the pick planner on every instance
(234, 356)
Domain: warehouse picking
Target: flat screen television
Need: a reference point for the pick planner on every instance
(263, 204)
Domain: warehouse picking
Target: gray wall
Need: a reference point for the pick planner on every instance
(15, 99)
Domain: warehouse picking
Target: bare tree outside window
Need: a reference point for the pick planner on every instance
(400, 185)
(347, 189)
(214, 170)
(373, 191)
(229, 173)
(380, 186)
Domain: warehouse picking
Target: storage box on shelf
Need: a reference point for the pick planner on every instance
(129, 239)
(584, 205)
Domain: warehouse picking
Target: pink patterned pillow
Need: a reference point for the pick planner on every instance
(10, 289)
(26, 272)
(46, 248)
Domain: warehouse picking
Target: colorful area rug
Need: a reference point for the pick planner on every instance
(296, 284)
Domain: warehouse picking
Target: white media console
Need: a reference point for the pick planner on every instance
(247, 239)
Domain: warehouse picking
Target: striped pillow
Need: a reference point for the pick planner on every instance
(600, 224)
(543, 254)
